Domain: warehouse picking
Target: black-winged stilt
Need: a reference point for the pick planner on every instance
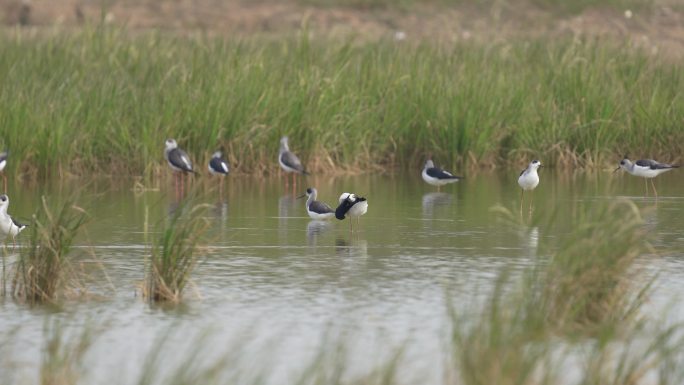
(219, 166)
(353, 206)
(645, 168)
(528, 180)
(436, 176)
(8, 225)
(3, 163)
(178, 160)
(316, 209)
(289, 162)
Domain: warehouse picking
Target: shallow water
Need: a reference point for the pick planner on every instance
(275, 286)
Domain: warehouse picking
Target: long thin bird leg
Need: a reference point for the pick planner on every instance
(351, 229)
(654, 189)
(531, 202)
(522, 198)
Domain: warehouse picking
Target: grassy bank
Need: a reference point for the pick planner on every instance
(105, 101)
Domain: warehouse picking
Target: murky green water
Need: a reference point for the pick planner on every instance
(275, 285)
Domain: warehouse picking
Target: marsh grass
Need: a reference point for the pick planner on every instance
(45, 267)
(63, 354)
(587, 292)
(103, 100)
(592, 280)
(501, 343)
(174, 255)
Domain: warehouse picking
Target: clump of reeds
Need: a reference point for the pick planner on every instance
(592, 280)
(173, 256)
(44, 265)
(587, 288)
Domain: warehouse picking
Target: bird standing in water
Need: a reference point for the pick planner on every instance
(353, 206)
(645, 168)
(436, 176)
(289, 162)
(3, 163)
(316, 209)
(219, 166)
(179, 161)
(8, 225)
(528, 180)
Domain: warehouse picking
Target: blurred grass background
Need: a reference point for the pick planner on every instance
(358, 84)
(103, 100)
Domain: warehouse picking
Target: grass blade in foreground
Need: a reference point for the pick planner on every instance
(591, 281)
(587, 289)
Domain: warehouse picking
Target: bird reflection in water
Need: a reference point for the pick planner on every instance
(355, 248)
(287, 207)
(435, 200)
(315, 229)
(220, 212)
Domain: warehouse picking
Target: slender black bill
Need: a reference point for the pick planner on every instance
(616, 169)
(301, 196)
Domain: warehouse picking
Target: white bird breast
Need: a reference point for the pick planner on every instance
(528, 180)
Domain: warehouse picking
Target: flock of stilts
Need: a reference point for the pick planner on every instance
(355, 206)
(350, 205)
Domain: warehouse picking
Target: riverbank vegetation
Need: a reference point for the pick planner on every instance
(103, 100)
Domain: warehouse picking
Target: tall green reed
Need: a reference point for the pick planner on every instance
(105, 100)
(45, 266)
(593, 279)
(588, 292)
(174, 255)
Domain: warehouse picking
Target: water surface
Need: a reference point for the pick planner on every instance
(276, 286)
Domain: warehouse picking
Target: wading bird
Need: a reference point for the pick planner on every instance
(178, 160)
(316, 209)
(3, 163)
(645, 168)
(219, 166)
(9, 226)
(436, 176)
(528, 180)
(289, 161)
(352, 206)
